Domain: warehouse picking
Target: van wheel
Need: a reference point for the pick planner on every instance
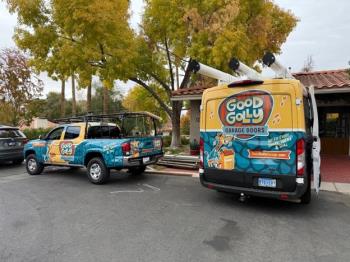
(306, 198)
(97, 171)
(33, 166)
(136, 171)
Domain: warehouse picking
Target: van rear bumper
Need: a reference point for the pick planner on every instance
(298, 191)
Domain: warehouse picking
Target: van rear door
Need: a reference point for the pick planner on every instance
(256, 139)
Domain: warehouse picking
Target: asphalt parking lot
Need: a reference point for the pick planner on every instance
(60, 216)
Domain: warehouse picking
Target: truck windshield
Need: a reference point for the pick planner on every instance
(136, 126)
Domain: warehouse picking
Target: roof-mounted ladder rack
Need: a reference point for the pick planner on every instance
(244, 70)
(222, 77)
(271, 61)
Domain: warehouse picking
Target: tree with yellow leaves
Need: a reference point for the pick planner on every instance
(211, 31)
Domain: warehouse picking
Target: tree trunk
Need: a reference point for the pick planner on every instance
(105, 100)
(63, 98)
(175, 121)
(88, 103)
(74, 102)
(176, 109)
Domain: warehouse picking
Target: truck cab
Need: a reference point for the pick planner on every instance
(99, 143)
(257, 139)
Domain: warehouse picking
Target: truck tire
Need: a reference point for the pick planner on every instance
(97, 171)
(33, 166)
(136, 171)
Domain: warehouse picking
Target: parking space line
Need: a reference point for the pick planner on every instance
(151, 187)
(128, 191)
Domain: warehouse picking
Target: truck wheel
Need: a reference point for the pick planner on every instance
(306, 198)
(136, 171)
(97, 171)
(33, 166)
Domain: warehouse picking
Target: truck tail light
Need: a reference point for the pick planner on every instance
(201, 152)
(300, 159)
(126, 148)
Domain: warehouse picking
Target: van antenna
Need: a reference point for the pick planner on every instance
(243, 69)
(271, 61)
(222, 77)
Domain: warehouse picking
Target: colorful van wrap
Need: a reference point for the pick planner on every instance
(252, 130)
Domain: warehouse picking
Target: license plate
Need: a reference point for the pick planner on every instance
(145, 159)
(267, 182)
(11, 143)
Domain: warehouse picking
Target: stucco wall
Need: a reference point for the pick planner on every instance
(194, 122)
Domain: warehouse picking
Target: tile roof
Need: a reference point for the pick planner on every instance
(319, 79)
(325, 79)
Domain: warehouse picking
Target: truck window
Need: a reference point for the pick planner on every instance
(55, 134)
(103, 132)
(138, 126)
(72, 132)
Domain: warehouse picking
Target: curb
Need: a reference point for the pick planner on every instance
(173, 173)
(343, 188)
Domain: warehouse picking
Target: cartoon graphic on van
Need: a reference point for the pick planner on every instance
(222, 155)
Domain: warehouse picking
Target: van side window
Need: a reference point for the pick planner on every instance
(308, 115)
(72, 132)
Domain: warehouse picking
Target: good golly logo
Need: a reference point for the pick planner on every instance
(245, 114)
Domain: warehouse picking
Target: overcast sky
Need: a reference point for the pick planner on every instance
(323, 32)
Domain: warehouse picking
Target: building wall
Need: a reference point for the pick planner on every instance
(194, 120)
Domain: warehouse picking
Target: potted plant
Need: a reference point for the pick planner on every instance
(194, 148)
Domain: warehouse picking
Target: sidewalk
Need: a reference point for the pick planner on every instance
(343, 188)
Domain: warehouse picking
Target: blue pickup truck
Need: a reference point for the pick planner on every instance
(99, 143)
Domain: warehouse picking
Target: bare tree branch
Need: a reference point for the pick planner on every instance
(170, 64)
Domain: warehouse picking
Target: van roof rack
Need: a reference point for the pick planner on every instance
(271, 61)
(89, 117)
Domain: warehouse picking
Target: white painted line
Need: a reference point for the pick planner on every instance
(151, 187)
(128, 191)
(150, 168)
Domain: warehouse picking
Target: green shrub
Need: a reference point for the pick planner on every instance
(35, 133)
(166, 141)
(185, 140)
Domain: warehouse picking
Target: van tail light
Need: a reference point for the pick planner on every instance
(201, 152)
(126, 148)
(300, 159)
(25, 141)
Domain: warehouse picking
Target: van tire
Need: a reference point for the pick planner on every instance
(306, 198)
(97, 171)
(137, 171)
(33, 166)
